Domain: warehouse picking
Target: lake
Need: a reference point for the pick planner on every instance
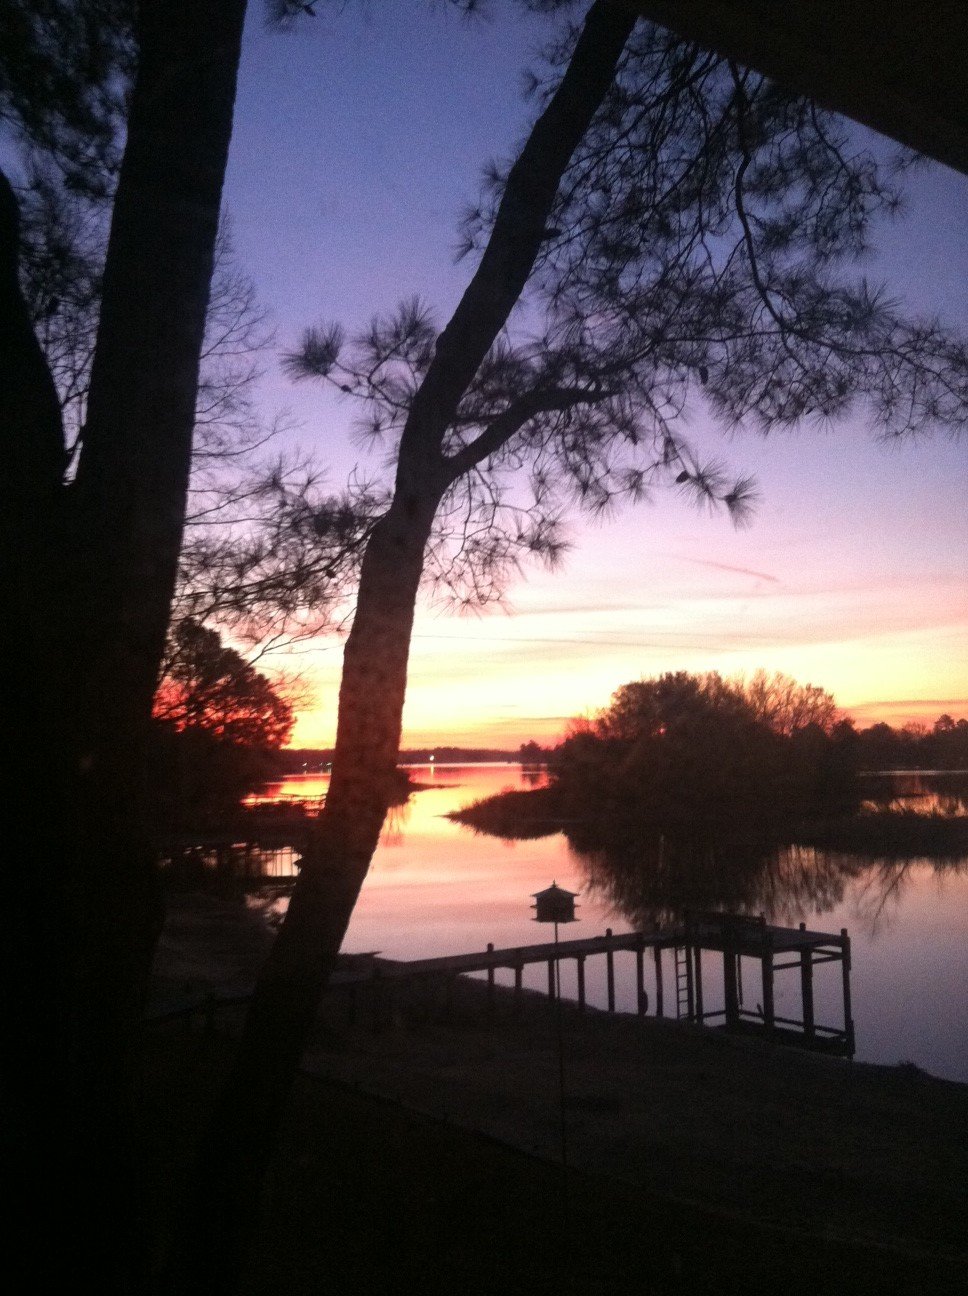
(437, 888)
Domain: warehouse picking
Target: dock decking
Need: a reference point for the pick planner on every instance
(777, 949)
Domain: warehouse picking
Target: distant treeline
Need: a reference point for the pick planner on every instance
(693, 755)
(941, 746)
(703, 759)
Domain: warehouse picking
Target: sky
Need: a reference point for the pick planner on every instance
(359, 137)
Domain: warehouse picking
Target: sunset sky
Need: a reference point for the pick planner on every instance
(359, 136)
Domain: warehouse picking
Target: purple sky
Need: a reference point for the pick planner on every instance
(358, 138)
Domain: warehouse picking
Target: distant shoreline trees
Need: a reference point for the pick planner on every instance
(699, 755)
(942, 746)
(682, 762)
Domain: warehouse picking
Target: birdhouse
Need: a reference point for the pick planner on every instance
(554, 905)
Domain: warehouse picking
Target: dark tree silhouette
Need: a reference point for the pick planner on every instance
(219, 723)
(708, 759)
(234, 1156)
(942, 746)
(89, 566)
(206, 685)
(248, 556)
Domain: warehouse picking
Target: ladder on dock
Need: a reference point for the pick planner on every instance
(734, 936)
(684, 989)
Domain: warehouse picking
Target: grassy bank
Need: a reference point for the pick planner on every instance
(368, 1195)
(892, 834)
(419, 1152)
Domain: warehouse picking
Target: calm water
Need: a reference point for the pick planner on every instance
(438, 888)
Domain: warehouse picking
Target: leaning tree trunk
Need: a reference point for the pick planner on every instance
(94, 594)
(242, 1136)
(234, 1155)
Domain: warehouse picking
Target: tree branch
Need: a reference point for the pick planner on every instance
(519, 230)
(500, 430)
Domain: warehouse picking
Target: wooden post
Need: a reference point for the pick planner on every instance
(806, 989)
(580, 970)
(610, 970)
(697, 955)
(731, 989)
(642, 998)
(690, 984)
(490, 981)
(767, 962)
(739, 980)
(845, 966)
(551, 978)
(518, 971)
(658, 981)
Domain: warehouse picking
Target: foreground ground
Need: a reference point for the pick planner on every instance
(419, 1152)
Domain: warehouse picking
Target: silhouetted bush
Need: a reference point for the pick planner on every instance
(697, 755)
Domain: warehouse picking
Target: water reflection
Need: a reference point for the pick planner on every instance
(436, 888)
(656, 882)
(941, 792)
(395, 825)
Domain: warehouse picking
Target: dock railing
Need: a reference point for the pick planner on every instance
(735, 937)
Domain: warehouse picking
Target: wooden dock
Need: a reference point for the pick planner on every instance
(250, 857)
(777, 949)
(734, 937)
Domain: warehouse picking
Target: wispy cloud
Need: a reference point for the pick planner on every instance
(592, 606)
(739, 571)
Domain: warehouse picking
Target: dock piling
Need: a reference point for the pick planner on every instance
(642, 999)
(806, 989)
(734, 936)
(769, 1011)
(845, 970)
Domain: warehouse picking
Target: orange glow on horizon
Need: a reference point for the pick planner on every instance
(312, 732)
(883, 627)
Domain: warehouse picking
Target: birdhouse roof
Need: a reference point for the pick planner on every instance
(553, 890)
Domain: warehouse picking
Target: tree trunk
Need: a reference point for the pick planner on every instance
(99, 559)
(236, 1152)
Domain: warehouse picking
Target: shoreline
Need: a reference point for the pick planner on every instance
(770, 1134)
(366, 1196)
(426, 1146)
(773, 1134)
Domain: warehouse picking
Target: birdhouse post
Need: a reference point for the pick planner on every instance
(557, 905)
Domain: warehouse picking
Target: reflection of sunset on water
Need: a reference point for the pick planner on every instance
(437, 888)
